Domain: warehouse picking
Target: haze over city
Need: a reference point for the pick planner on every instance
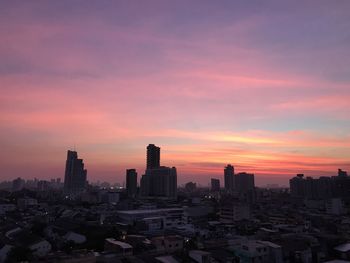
(262, 85)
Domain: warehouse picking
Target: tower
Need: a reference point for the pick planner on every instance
(153, 156)
(158, 181)
(75, 174)
(229, 172)
(131, 182)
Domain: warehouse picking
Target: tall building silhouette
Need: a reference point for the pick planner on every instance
(153, 156)
(75, 174)
(131, 182)
(324, 187)
(244, 182)
(229, 181)
(158, 181)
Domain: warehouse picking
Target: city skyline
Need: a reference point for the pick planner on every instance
(263, 86)
(231, 179)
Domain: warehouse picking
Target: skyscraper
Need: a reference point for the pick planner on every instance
(75, 174)
(158, 181)
(131, 182)
(153, 156)
(245, 187)
(229, 172)
(244, 182)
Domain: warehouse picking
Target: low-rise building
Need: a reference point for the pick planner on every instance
(230, 213)
(168, 244)
(172, 217)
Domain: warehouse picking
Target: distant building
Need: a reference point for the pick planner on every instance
(244, 182)
(158, 181)
(215, 185)
(320, 188)
(43, 185)
(190, 186)
(296, 185)
(75, 174)
(167, 217)
(153, 156)
(18, 184)
(342, 173)
(229, 172)
(131, 182)
(235, 211)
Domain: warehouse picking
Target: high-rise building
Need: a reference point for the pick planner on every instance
(75, 174)
(245, 187)
(324, 187)
(229, 172)
(215, 184)
(131, 182)
(158, 181)
(153, 156)
(244, 182)
(296, 185)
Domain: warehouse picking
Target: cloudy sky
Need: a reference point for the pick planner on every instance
(264, 85)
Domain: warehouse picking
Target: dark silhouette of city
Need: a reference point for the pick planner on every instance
(155, 220)
(169, 131)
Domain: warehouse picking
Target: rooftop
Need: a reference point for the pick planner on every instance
(145, 211)
(119, 243)
(167, 259)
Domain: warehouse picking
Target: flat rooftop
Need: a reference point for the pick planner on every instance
(119, 243)
(145, 211)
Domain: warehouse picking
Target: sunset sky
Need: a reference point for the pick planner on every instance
(263, 85)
